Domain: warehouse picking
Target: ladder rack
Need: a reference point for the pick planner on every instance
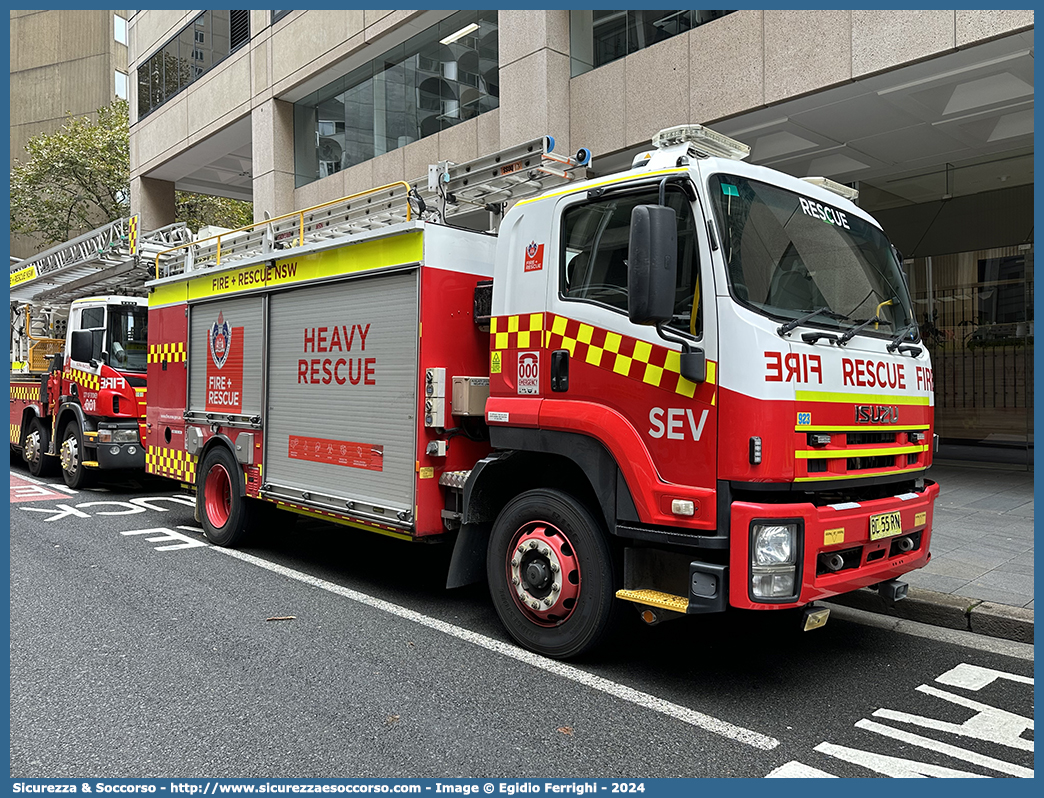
(449, 189)
(110, 259)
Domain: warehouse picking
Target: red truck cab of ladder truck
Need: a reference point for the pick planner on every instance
(82, 408)
(704, 387)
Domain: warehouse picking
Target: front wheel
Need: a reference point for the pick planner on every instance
(224, 511)
(71, 456)
(551, 574)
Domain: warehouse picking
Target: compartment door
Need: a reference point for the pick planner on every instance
(342, 400)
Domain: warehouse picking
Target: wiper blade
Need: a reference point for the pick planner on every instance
(850, 334)
(784, 329)
(902, 336)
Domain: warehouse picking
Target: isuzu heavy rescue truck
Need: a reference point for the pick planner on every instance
(691, 386)
(78, 351)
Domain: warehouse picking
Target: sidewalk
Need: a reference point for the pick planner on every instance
(981, 573)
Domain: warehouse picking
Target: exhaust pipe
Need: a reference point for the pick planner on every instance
(904, 544)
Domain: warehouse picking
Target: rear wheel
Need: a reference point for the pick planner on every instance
(225, 513)
(551, 574)
(71, 456)
(34, 449)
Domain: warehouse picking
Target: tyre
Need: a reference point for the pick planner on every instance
(34, 449)
(71, 456)
(225, 513)
(551, 574)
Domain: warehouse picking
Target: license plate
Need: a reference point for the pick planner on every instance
(884, 525)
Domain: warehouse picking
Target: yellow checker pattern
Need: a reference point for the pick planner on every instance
(174, 463)
(172, 353)
(26, 393)
(91, 382)
(517, 332)
(626, 356)
(16, 434)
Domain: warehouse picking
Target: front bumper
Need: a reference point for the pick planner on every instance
(840, 528)
(112, 455)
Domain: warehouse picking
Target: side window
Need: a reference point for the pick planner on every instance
(594, 254)
(92, 319)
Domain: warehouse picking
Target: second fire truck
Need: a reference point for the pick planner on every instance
(691, 386)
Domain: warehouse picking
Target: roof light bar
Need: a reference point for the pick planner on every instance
(703, 139)
(847, 192)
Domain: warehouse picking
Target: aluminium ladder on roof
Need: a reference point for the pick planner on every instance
(449, 189)
(111, 259)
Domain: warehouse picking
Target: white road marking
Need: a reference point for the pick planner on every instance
(622, 692)
(992, 645)
(62, 511)
(163, 535)
(988, 723)
(797, 770)
(975, 677)
(895, 767)
(66, 488)
(945, 748)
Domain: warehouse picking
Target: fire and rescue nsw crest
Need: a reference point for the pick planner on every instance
(220, 339)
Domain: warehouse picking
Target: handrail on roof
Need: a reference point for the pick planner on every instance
(299, 214)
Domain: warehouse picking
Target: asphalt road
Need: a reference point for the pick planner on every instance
(139, 650)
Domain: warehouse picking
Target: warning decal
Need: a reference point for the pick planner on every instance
(494, 363)
(528, 373)
(342, 453)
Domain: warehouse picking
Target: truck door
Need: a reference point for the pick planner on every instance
(656, 417)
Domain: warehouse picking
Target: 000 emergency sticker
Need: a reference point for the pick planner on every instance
(528, 373)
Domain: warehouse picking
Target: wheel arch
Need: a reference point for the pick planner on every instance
(575, 464)
(213, 442)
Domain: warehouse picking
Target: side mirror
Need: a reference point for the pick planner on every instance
(82, 346)
(652, 264)
(693, 365)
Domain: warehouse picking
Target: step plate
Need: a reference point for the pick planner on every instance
(654, 598)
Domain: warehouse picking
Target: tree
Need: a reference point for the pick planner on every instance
(78, 178)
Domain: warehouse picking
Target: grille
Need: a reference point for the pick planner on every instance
(239, 29)
(862, 438)
(816, 465)
(863, 463)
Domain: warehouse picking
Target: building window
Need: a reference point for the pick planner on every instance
(599, 37)
(121, 85)
(278, 15)
(439, 78)
(206, 41)
(119, 29)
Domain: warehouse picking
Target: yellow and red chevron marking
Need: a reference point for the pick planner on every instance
(85, 378)
(26, 393)
(629, 357)
(175, 463)
(172, 353)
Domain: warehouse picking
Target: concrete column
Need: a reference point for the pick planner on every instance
(154, 201)
(272, 135)
(534, 76)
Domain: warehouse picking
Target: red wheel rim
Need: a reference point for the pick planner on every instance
(543, 573)
(217, 496)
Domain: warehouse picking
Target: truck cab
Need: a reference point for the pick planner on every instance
(729, 355)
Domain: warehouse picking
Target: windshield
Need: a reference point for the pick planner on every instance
(790, 256)
(127, 343)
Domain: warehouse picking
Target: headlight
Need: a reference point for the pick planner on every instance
(773, 561)
(117, 436)
(774, 545)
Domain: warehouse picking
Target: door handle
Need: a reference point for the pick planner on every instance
(560, 370)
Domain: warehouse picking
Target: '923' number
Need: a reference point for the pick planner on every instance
(628, 786)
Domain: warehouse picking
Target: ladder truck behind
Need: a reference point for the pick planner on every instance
(689, 387)
(79, 351)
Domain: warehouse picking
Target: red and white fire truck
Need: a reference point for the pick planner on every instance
(78, 351)
(690, 386)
